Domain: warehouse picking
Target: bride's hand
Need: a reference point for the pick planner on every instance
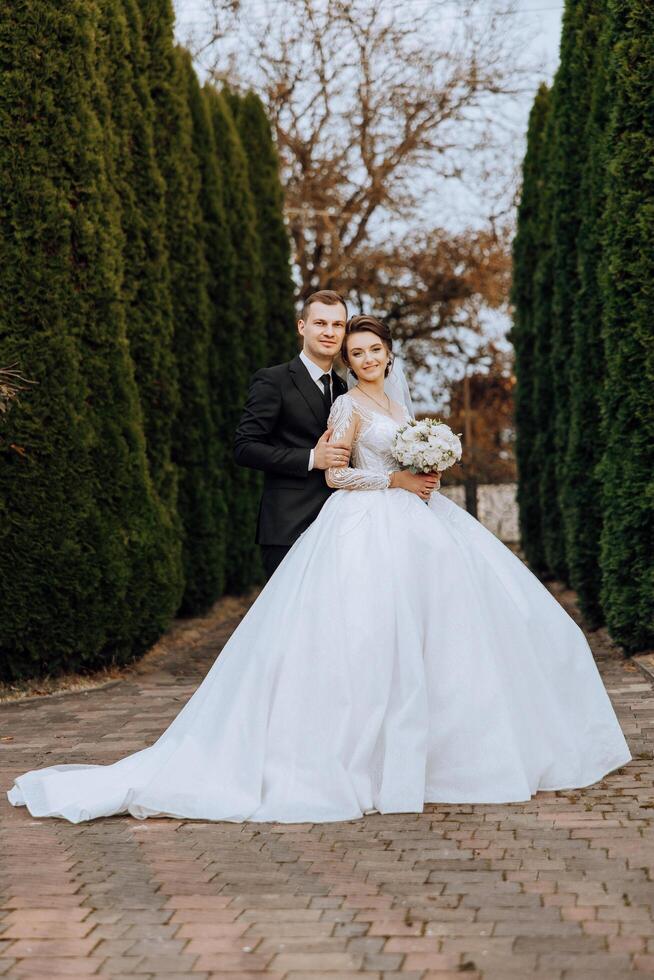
(422, 484)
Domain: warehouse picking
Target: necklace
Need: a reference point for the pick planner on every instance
(387, 410)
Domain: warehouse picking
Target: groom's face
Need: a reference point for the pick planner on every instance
(323, 330)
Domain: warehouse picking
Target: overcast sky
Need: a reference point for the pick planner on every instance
(543, 18)
(536, 26)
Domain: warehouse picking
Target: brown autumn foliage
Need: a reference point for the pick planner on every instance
(433, 286)
(488, 451)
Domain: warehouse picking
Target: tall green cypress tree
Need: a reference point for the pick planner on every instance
(193, 435)
(263, 168)
(242, 213)
(220, 271)
(147, 278)
(80, 525)
(582, 496)
(193, 432)
(570, 105)
(544, 452)
(249, 352)
(127, 113)
(626, 471)
(527, 248)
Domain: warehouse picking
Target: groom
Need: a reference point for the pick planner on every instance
(283, 429)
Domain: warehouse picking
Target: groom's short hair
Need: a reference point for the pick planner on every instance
(328, 296)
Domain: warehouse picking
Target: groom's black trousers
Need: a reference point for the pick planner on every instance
(273, 555)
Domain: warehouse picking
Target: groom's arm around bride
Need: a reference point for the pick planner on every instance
(283, 432)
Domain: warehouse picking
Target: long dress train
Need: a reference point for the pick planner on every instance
(400, 654)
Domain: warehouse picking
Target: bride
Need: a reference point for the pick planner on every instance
(400, 654)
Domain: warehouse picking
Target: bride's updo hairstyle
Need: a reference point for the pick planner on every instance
(363, 323)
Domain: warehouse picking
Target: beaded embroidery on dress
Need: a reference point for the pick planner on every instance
(400, 654)
(371, 450)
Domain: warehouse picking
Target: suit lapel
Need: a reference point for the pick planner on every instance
(308, 389)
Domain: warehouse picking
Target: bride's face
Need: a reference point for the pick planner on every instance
(368, 355)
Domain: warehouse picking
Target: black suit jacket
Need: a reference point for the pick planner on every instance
(283, 419)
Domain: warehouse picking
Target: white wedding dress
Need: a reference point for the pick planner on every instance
(400, 654)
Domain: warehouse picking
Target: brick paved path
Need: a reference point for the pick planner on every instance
(560, 886)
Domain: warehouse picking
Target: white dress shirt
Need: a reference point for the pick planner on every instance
(316, 373)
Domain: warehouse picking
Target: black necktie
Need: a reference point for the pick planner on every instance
(327, 393)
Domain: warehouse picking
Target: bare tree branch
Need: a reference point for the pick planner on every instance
(11, 383)
(377, 107)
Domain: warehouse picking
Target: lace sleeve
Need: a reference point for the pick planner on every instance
(343, 420)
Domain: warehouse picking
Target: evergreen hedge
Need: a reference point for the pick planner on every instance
(248, 349)
(213, 237)
(582, 498)
(126, 110)
(263, 170)
(193, 431)
(544, 458)
(626, 470)
(583, 277)
(133, 290)
(83, 575)
(192, 428)
(571, 97)
(527, 248)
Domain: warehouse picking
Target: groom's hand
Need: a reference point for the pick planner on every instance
(327, 454)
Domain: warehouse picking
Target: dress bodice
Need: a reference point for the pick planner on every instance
(371, 460)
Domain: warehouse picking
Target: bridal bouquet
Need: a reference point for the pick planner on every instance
(427, 446)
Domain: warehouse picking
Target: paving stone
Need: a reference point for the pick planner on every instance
(228, 963)
(52, 966)
(558, 887)
(287, 962)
